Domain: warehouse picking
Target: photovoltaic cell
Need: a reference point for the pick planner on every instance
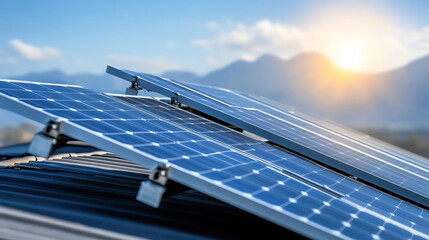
(353, 191)
(198, 162)
(397, 156)
(272, 107)
(343, 130)
(393, 172)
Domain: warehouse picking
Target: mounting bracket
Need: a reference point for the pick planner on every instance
(175, 99)
(158, 186)
(134, 88)
(44, 141)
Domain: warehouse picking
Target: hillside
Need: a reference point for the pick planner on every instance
(310, 82)
(313, 83)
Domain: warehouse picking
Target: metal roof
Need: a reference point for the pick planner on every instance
(98, 191)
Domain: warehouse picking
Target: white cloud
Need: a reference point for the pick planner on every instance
(249, 42)
(384, 45)
(17, 51)
(26, 51)
(156, 66)
(257, 38)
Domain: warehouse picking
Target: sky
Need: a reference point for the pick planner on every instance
(201, 36)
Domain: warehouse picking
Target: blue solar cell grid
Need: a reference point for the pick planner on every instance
(315, 135)
(395, 173)
(342, 130)
(406, 172)
(353, 191)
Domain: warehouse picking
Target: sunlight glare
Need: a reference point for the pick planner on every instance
(348, 56)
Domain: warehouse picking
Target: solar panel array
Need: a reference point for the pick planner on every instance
(348, 189)
(217, 166)
(398, 174)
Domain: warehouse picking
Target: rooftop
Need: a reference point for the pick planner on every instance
(94, 196)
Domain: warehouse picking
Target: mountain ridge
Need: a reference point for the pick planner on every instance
(313, 83)
(309, 81)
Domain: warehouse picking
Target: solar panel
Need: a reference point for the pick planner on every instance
(350, 190)
(375, 146)
(396, 174)
(343, 130)
(198, 162)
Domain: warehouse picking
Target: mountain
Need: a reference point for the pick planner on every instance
(310, 82)
(314, 84)
(298, 81)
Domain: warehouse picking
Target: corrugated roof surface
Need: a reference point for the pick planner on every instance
(99, 191)
(17, 224)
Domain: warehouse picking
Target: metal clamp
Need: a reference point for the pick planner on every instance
(152, 190)
(158, 186)
(135, 87)
(175, 99)
(44, 141)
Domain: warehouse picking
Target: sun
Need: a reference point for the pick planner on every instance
(348, 56)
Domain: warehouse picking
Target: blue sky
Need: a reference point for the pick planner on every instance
(154, 36)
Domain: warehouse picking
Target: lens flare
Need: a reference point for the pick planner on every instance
(348, 56)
